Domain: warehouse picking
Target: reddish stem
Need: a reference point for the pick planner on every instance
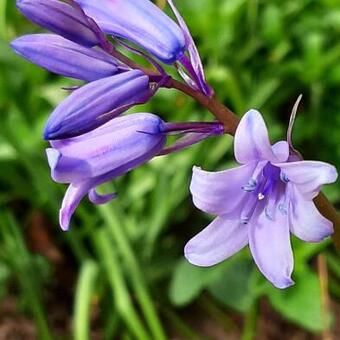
(221, 112)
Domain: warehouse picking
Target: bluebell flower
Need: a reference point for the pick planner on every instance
(66, 58)
(109, 151)
(259, 203)
(101, 155)
(96, 103)
(140, 22)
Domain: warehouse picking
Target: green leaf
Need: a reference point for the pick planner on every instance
(234, 287)
(188, 282)
(300, 303)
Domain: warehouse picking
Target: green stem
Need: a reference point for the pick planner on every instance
(84, 293)
(117, 231)
(249, 328)
(119, 290)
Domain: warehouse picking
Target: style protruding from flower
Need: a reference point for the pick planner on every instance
(110, 151)
(259, 203)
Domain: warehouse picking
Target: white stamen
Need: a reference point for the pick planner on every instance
(260, 196)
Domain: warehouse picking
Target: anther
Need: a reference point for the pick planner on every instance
(284, 177)
(250, 186)
(260, 196)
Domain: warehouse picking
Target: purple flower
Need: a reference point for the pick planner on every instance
(110, 151)
(65, 57)
(259, 203)
(96, 103)
(64, 18)
(140, 22)
(102, 155)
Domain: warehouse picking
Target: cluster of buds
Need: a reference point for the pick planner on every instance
(91, 142)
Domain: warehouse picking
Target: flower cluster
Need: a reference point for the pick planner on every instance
(259, 203)
(91, 142)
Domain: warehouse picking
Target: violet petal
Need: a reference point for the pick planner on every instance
(219, 192)
(306, 222)
(221, 239)
(96, 198)
(195, 58)
(72, 198)
(309, 176)
(269, 242)
(252, 140)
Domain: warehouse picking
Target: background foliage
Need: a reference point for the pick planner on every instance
(120, 273)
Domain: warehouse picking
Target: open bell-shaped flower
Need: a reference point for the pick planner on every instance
(140, 22)
(98, 156)
(96, 103)
(112, 150)
(259, 203)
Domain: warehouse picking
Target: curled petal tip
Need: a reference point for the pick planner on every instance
(96, 198)
(53, 157)
(333, 174)
(192, 257)
(284, 283)
(64, 219)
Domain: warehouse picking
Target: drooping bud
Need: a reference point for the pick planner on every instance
(64, 18)
(96, 103)
(65, 57)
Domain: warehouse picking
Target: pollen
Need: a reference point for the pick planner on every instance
(260, 196)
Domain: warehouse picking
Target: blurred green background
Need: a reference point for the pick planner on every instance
(120, 273)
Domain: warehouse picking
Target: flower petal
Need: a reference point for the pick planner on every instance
(281, 150)
(221, 239)
(252, 140)
(269, 242)
(72, 198)
(219, 192)
(309, 176)
(96, 198)
(65, 57)
(193, 52)
(306, 222)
